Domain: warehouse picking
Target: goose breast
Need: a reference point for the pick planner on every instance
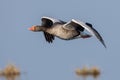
(61, 32)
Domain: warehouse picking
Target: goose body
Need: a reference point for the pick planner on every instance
(65, 30)
(62, 33)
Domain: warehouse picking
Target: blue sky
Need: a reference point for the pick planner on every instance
(30, 51)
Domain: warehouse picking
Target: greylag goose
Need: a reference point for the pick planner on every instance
(73, 29)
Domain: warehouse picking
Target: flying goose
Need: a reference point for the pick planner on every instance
(73, 29)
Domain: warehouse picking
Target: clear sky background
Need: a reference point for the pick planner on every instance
(58, 61)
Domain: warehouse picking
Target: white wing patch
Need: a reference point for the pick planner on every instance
(84, 26)
(52, 19)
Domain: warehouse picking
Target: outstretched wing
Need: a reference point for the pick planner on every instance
(48, 21)
(49, 38)
(90, 29)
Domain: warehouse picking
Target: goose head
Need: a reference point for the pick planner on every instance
(37, 28)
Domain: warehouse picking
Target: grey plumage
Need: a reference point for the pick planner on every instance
(66, 30)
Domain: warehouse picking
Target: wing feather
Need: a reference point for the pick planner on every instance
(48, 21)
(90, 29)
(73, 26)
(49, 38)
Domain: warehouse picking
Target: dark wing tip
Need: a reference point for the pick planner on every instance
(89, 24)
(99, 36)
(102, 41)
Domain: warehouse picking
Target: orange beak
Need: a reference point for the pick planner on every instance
(32, 28)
